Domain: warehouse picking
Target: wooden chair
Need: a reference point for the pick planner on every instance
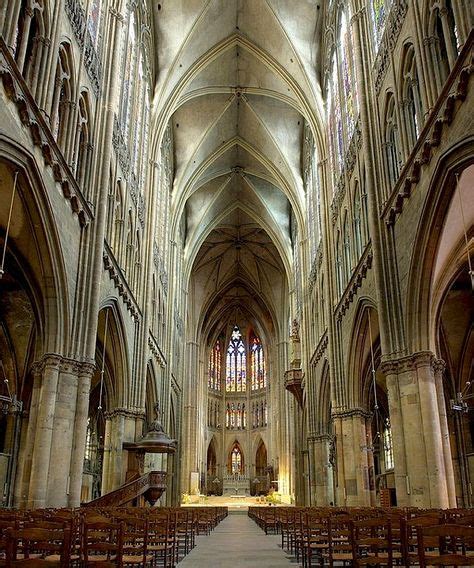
(339, 541)
(372, 542)
(101, 543)
(445, 545)
(162, 540)
(38, 547)
(316, 539)
(410, 556)
(134, 551)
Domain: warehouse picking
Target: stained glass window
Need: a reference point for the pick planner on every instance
(236, 416)
(378, 14)
(236, 460)
(259, 377)
(129, 64)
(348, 76)
(94, 22)
(236, 376)
(214, 375)
(336, 145)
(379, 10)
(388, 445)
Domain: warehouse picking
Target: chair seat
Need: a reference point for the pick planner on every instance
(136, 559)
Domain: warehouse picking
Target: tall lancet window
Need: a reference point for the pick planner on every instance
(336, 145)
(348, 76)
(259, 376)
(379, 10)
(215, 357)
(236, 376)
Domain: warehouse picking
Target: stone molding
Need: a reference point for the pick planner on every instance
(156, 351)
(320, 349)
(359, 274)
(116, 274)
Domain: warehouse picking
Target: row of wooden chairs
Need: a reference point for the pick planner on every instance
(103, 537)
(372, 536)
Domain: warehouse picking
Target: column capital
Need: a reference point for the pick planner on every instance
(125, 412)
(351, 412)
(410, 363)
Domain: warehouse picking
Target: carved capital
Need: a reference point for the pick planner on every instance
(409, 363)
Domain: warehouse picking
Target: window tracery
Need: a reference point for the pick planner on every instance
(236, 374)
(236, 460)
(259, 376)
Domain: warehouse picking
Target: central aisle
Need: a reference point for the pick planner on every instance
(237, 542)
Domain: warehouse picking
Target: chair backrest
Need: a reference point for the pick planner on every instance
(445, 545)
(103, 538)
(29, 543)
(372, 541)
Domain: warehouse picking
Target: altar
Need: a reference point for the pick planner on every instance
(238, 485)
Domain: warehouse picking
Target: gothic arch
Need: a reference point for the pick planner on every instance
(359, 351)
(116, 384)
(36, 245)
(419, 306)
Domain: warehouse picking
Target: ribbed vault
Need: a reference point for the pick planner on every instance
(238, 80)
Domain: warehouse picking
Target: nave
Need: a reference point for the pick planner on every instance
(237, 542)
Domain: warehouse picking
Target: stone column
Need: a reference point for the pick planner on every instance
(438, 368)
(48, 368)
(62, 437)
(352, 448)
(321, 470)
(113, 469)
(190, 418)
(419, 448)
(24, 39)
(80, 432)
(26, 449)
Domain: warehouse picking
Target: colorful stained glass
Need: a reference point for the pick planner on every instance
(214, 374)
(129, 73)
(236, 375)
(378, 13)
(236, 460)
(336, 144)
(259, 376)
(348, 76)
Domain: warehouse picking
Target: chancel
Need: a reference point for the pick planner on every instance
(236, 274)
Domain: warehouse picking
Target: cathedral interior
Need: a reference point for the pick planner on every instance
(239, 234)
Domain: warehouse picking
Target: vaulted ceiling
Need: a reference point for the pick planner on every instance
(237, 80)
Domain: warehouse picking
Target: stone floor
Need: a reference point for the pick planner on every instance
(237, 542)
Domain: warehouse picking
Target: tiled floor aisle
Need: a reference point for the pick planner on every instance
(237, 542)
